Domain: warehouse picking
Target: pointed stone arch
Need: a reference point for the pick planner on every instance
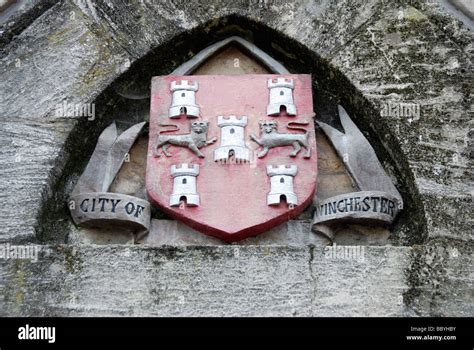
(327, 109)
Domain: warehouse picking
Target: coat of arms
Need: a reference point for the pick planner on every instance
(232, 156)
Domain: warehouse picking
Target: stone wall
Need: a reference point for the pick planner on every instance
(362, 54)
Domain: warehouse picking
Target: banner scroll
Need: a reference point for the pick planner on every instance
(378, 201)
(90, 203)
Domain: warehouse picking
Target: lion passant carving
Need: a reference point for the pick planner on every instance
(194, 140)
(270, 138)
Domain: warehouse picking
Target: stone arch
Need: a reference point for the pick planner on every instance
(126, 101)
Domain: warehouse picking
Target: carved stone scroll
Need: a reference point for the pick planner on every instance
(90, 204)
(363, 206)
(102, 209)
(378, 201)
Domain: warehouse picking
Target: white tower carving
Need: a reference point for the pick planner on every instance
(281, 182)
(184, 184)
(232, 139)
(281, 94)
(184, 99)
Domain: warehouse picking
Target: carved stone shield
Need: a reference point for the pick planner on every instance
(232, 156)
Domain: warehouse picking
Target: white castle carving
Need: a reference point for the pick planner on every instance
(232, 139)
(184, 184)
(281, 183)
(184, 99)
(281, 94)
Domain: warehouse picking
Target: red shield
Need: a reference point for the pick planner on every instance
(257, 173)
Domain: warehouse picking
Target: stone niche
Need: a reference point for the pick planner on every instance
(362, 55)
(333, 177)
